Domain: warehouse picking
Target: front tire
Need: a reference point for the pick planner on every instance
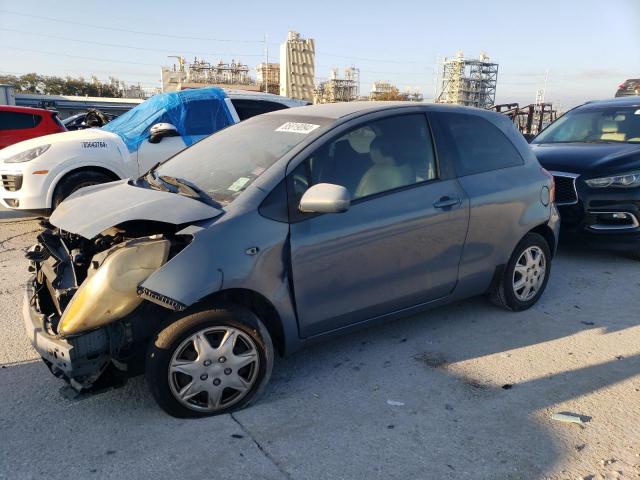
(76, 181)
(210, 362)
(526, 275)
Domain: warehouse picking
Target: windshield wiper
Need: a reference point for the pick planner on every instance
(153, 180)
(188, 189)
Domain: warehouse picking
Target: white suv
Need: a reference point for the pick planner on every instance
(38, 174)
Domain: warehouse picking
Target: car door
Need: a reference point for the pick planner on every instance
(400, 242)
(501, 187)
(151, 153)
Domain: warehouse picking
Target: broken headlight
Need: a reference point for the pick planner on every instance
(110, 293)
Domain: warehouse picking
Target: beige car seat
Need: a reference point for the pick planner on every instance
(610, 132)
(384, 174)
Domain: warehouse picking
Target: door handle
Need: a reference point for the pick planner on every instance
(446, 201)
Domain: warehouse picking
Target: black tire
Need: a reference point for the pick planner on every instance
(174, 334)
(634, 255)
(504, 295)
(75, 181)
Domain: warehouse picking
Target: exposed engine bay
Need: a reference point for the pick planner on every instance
(85, 295)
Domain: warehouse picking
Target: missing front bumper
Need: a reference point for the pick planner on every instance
(80, 358)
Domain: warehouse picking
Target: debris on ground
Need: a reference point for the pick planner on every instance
(568, 418)
(395, 403)
(507, 386)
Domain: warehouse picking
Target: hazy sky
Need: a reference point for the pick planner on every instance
(588, 46)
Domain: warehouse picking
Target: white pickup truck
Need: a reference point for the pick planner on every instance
(38, 174)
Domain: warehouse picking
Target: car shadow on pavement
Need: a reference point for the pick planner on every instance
(395, 400)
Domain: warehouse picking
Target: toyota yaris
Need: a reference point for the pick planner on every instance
(283, 230)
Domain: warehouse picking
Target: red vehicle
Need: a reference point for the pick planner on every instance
(22, 123)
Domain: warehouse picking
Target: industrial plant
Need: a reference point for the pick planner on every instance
(469, 82)
(268, 77)
(297, 67)
(202, 73)
(337, 88)
(464, 81)
(460, 80)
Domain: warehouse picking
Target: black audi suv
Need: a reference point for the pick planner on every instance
(593, 152)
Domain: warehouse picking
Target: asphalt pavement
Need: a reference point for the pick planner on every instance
(465, 391)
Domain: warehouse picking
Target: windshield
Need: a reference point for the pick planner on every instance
(602, 125)
(226, 163)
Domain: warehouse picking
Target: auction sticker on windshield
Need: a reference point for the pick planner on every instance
(238, 184)
(296, 127)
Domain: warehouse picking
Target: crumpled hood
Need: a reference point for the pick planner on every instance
(77, 136)
(91, 210)
(587, 158)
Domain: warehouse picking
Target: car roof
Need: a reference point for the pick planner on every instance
(339, 110)
(336, 111)
(14, 108)
(631, 101)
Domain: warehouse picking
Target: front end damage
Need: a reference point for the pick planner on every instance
(83, 309)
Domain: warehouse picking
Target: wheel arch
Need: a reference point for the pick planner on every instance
(259, 305)
(88, 168)
(543, 230)
(546, 232)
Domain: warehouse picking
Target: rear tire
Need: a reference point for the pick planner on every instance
(76, 181)
(192, 372)
(526, 275)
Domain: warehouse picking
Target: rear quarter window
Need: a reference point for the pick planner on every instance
(247, 108)
(18, 120)
(473, 144)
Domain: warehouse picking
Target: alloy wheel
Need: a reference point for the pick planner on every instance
(213, 369)
(529, 273)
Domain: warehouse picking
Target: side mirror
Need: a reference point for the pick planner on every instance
(160, 130)
(325, 198)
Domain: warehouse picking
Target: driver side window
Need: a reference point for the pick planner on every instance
(373, 158)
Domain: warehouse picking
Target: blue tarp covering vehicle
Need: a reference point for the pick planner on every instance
(195, 113)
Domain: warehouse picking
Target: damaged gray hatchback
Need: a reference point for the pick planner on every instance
(281, 230)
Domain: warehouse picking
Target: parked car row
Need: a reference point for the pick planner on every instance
(38, 174)
(297, 225)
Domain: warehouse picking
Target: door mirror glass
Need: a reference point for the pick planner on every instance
(325, 198)
(160, 130)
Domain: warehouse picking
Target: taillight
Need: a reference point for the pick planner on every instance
(552, 186)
